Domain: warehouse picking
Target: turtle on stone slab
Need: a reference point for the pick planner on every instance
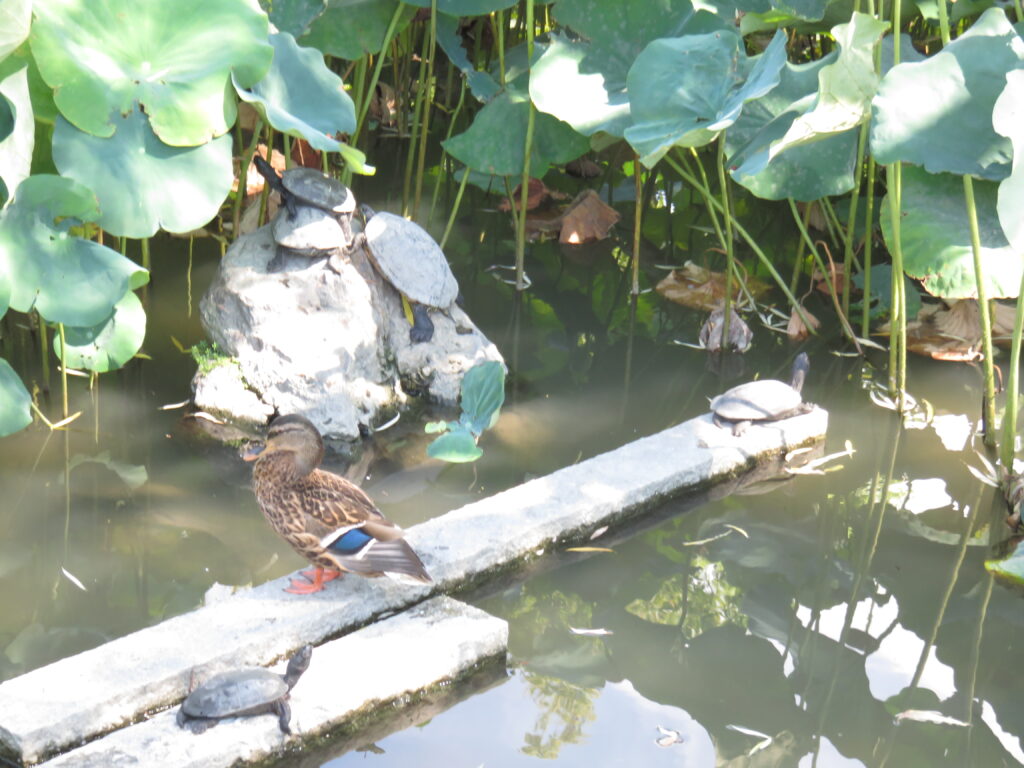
(408, 258)
(241, 692)
(317, 216)
(763, 400)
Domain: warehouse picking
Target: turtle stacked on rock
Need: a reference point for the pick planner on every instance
(408, 258)
(317, 216)
(764, 400)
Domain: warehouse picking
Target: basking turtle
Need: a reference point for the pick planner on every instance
(764, 400)
(413, 263)
(319, 211)
(241, 692)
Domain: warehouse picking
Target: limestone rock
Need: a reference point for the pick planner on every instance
(331, 345)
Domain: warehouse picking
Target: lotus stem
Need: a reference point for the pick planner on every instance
(869, 218)
(851, 220)
(417, 128)
(377, 65)
(455, 207)
(1008, 447)
(63, 371)
(723, 183)
(989, 404)
(428, 99)
(637, 213)
(742, 232)
(243, 178)
(524, 189)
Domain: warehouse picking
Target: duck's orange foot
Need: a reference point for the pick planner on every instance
(316, 580)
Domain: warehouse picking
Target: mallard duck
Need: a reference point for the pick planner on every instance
(325, 518)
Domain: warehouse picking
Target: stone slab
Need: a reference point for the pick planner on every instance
(78, 698)
(434, 642)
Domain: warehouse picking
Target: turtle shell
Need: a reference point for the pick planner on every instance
(410, 260)
(234, 693)
(310, 187)
(765, 400)
(312, 232)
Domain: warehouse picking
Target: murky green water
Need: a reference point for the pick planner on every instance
(795, 642)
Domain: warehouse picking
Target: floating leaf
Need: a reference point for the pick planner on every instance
(457, 446)
(173, 58)
(193, 181)
(924, 110)
(15, 401)
(300, 96)
(69, 280)
(109, 345)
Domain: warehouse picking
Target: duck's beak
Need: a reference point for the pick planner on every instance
(252, 451)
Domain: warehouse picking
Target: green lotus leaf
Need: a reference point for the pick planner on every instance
(110, 344)
(15, 401)
(494, 142)
(5, 288)
(937, 113)
(16, 144)
(482, 85)
(583, 82)
(300, 96)
(43, 108)
(806, 10)
(936, 238)
(683, 91)
(845, 87)
(457, 446)
(350, 29)
(294, 16)
(69, 280)
(804, 172)
(173, 58)
(483, 393)
(1008, 121)
(6, 117)
(142, 183)
(15, 20)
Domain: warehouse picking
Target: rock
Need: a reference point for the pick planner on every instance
(332, 346)
(222, 392)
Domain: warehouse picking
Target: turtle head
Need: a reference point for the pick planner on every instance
(266, 169)
(800, 367)
(366, 212)
(298, 664)
(294, 435)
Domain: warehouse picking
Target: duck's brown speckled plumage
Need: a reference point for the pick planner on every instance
(311, 509)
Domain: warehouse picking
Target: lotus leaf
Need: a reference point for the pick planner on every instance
(483, 393)
(69, 280)
(110, 344)
(295, 16)
(15, 401)
(805, 172)
(583, 82)
(349, 29)
(17, 144)
(466, 7)
(683, 91)
(936, 240)
(6, 117)
(482, 85)
(845, 87)
(300, 96)
(15, 20)
(142, 183)
(937, 113)
(457, 446)
(494, 142)
(1008, 120)
(173, 58)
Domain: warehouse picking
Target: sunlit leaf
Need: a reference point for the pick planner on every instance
(17, 135)
(109, 345)
(294, 16)
(924, 111)
(457, 446)
(142, 183)
(173, 58)
(1008, 120)
(300, 96)
(69, 280)
(15, 21)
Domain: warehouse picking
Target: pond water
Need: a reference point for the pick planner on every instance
(832, 626)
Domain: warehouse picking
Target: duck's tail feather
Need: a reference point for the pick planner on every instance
(376, 558)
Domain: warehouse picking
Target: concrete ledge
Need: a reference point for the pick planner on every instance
(79, 698)
(437, 641)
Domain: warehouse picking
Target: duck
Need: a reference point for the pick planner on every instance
(325, 518)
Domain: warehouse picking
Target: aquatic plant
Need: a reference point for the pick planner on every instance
(481, 398)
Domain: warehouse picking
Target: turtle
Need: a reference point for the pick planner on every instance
(413, 263)
(764, 400)
(249, 691)
(319, 211)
